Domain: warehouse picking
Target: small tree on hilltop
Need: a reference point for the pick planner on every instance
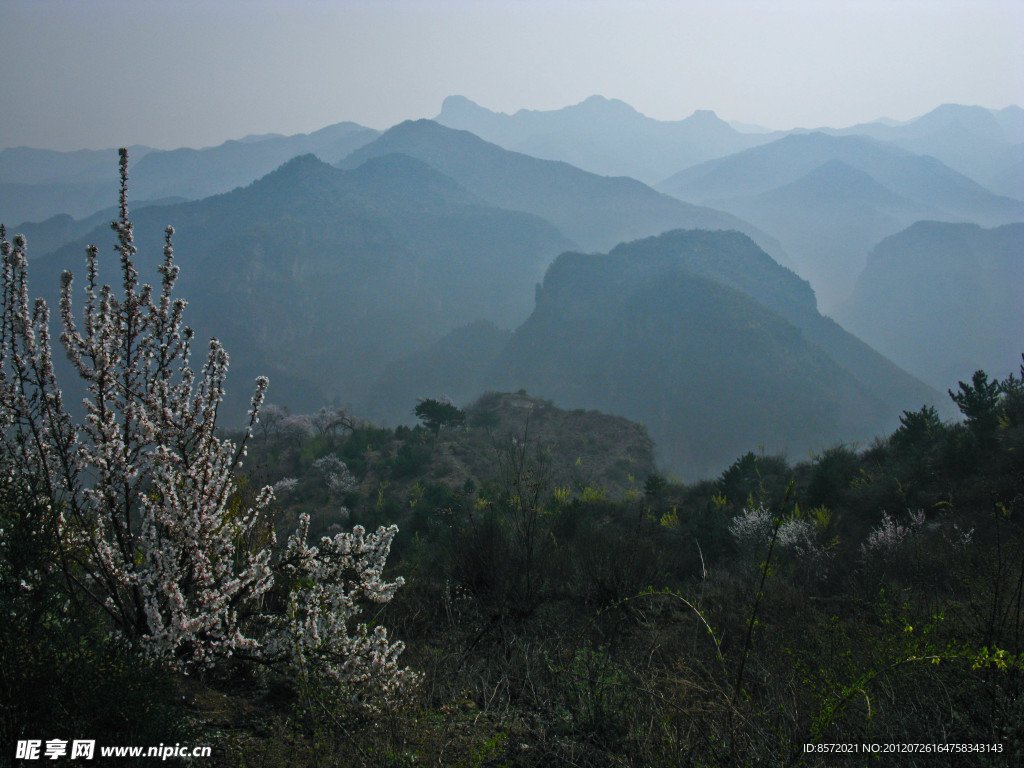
(142, 492)
(979, 403)
(438, 414)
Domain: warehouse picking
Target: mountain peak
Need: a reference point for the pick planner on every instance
(705, 116)
(602, 106)
(306, 173)
(973, 119)
(603, 101)
(300, 165)
(422, 132)
(458, 107)
(839, 182)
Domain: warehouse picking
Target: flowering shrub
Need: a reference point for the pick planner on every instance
(295, 427)
(325, 586)
(889, 537)
(142, 492)
(339, 479)
(754, 527)
(284, 485)
(329, 419)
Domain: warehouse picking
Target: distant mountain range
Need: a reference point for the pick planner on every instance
(830, 199)
(608, 137)
(320, 277)
(983, 144)
(700, 336)
(595, 212)
(199, 173)
(942, 300)
(374, 268)
(36, 184)
(604, 136)
(25, 165)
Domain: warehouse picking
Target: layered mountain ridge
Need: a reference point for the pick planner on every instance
(326, 276)
(595, 212)
(943, 300)
(604, 136)
(373, 268)
(700, 336)
(830, 199)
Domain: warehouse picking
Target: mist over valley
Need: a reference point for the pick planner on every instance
(331, 261)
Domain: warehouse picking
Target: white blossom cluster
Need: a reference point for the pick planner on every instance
(339, 479)
(888, 538)
(295, 427)
(754, 528)
(36, 428)
(145, 493)
(327, 584)
(285, 485)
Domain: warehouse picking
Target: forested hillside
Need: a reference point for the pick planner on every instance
(707, 341)
(565, 603)
(321, 277)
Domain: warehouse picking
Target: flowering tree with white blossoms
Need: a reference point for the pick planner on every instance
(325, 587)
(756, 526)
(888, 538)
(337, 474)
(143, 492)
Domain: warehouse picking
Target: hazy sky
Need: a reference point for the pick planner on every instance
(168, 73)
